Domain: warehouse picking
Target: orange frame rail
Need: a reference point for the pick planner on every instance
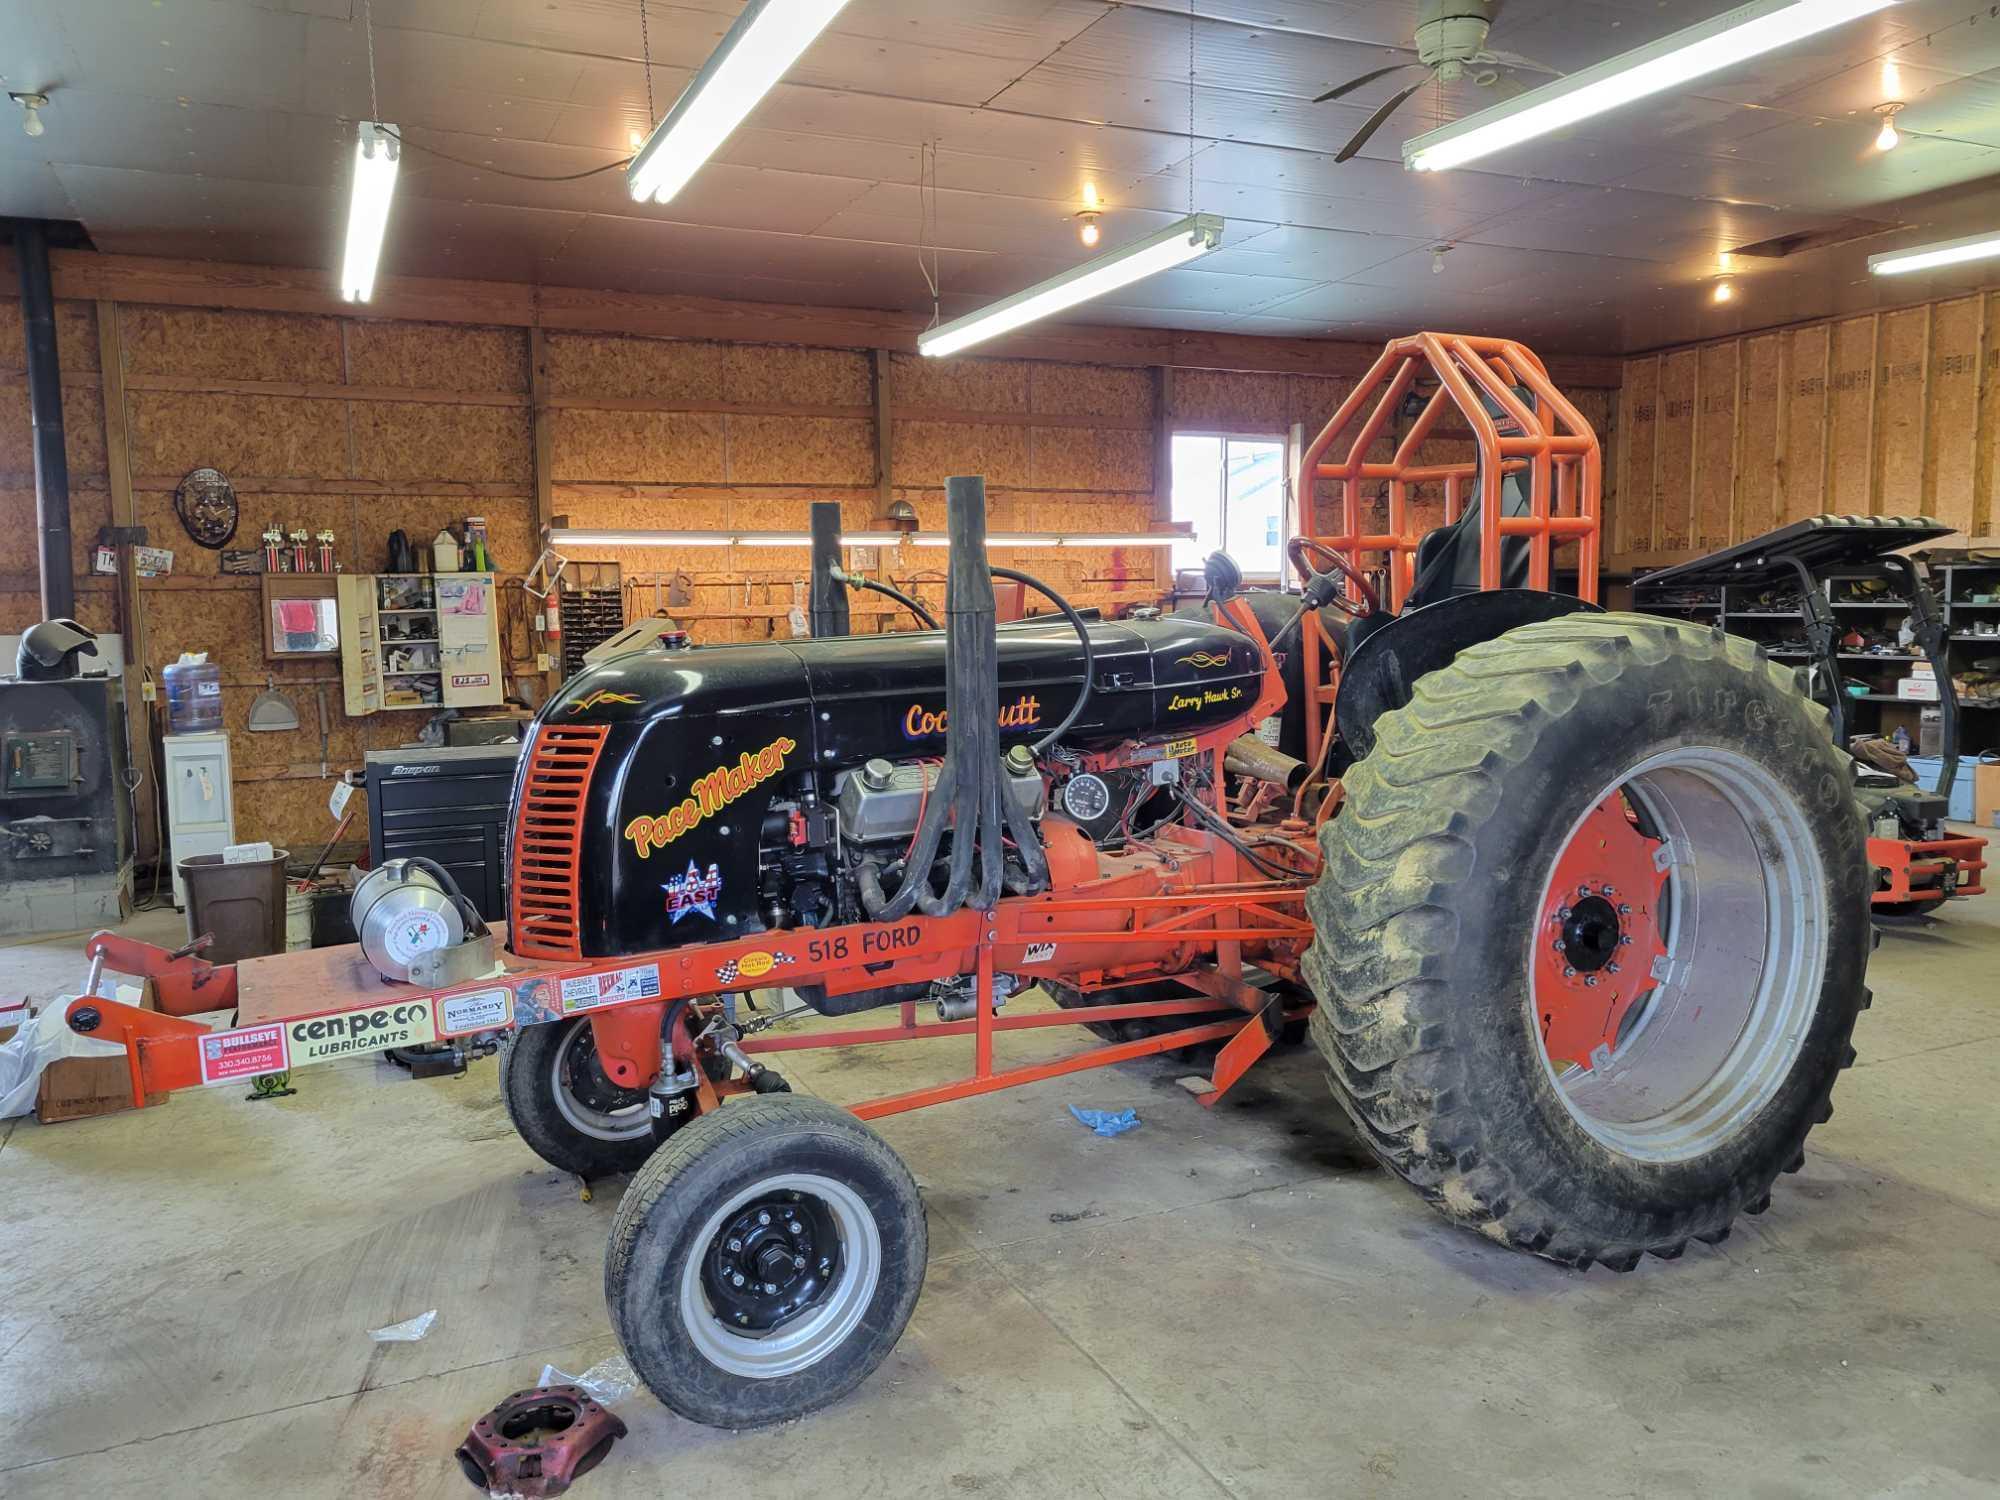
(1544, 437)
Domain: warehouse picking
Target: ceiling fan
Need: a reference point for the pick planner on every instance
(1451, 44)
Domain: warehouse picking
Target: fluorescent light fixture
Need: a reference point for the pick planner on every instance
(1175, 245)
(1144, 539)
(1734, 37)
(766, 40)
(588, 538)
(1944, 253)
(584, 537)
(375, 155)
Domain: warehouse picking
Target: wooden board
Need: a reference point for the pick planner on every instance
(1673, 461)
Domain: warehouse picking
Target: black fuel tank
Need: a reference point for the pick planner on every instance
(699, 742)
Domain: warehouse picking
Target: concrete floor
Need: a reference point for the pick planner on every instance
(1227, 1303)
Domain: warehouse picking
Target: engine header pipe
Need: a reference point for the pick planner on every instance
(38, 328)
(826, 598)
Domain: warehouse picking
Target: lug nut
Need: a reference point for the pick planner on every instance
(1563, 915)
(763, 1218)
(798, 1262)
(792, 1228)
(736, 1244)
(1568, 972)
(737, 1279)
(1610, 891)
(1624, 909)
(1590, 981)
(1612, 967)
(1625, 941)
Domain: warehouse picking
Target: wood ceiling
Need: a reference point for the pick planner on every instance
(222, 129)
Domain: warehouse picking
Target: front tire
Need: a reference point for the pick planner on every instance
(570, 1114)
(765, 1261)
(1591, 935)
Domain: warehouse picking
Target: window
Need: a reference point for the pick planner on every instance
(1232, 491)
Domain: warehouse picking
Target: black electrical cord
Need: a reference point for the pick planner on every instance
(1220, 826)
(1014, 575)
(480, 166)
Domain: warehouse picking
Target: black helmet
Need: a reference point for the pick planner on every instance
(49, 650)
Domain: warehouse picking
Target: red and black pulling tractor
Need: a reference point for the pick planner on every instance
(1575, 902)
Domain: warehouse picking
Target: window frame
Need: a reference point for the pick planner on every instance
(1285, 480)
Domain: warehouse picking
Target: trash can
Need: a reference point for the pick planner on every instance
(242, 904)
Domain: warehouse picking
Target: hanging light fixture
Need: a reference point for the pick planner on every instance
(768, 37)
(1726, 41)
(1176, 245)
(1930, 257)
(375, 158)
(1888, 137)
(376, 150)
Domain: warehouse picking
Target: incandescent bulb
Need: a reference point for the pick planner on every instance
(1887, 138)
(1725, 291)
(32, 121)
(1087, 230)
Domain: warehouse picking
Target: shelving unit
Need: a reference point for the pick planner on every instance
(1772, 617)
(1958, 584)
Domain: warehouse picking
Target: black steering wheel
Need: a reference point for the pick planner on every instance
(1324, 589)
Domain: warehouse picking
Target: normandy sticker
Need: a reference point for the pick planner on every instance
(370, 1029)
(639, 982)
(243, 1053)
(482, 1010)
(694, 893)
(713, 791)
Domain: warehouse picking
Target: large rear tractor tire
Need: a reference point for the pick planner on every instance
(1591, 936)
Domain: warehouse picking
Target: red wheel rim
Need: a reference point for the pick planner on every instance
(1598, 939)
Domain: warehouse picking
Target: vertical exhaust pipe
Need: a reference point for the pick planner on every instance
(826, 597)
(38, 329)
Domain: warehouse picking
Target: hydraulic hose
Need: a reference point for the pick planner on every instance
(914, 606)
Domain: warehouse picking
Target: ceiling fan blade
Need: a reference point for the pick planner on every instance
(1376, 121)
(1508, 59)
(1366, 78)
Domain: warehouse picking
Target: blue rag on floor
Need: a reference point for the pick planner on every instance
(1103, 1122)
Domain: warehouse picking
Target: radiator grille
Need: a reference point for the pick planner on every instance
(548, 841)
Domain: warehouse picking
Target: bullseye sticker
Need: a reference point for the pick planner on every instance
(639, 982)
(243, 1053)
(482, 1010)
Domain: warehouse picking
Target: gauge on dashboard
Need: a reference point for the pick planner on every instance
(1086, 798)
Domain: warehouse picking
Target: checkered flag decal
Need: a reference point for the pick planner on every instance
(726, 973)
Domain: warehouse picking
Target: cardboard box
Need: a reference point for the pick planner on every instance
(1918, 689)
(1986, 794)
(76, 1088)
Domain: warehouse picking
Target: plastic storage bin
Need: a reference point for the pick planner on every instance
(242, 904)
(194, 697)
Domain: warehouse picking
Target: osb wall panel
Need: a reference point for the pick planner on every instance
(1851, 429)
(781, 376)
(20, 545)
(174, 431)
(1900, 411)
(1807, 397)
(960, 384)
(633, 368)
(638, 447)
(1887, 413)
(1715, 445)
(1088, 458)
(83, 427)
(1631, 520)
(1760, 439)
(187, 342)
(1091, 391)
(800, 450)
(1673, 468)
(76, 338)
(928, 453)
(1230, 401)
(436, 356)
(424, 440)
(1952, 460)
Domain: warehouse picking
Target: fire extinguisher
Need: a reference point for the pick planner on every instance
(552, 618)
